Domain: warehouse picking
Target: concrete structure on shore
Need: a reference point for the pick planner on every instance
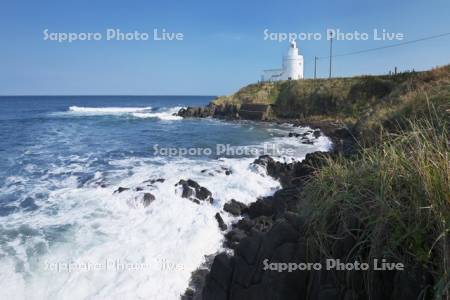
(256, 111)
(292, 66)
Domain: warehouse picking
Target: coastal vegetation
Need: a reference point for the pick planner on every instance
(391, 197)
(368, 103)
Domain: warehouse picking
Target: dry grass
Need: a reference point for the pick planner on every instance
(394, 199)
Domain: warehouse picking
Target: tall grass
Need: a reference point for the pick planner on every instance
(393, 199)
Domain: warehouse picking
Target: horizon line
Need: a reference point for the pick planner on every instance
(102, 95)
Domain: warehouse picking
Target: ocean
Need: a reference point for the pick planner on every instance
(65, 230)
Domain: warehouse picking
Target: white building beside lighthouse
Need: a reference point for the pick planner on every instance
(292, 66)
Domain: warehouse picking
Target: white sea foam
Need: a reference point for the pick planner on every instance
(164, 113)
(108, 110)
(89, 224)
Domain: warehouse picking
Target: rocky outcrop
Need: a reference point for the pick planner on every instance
(148, 198)
(292, 174)
(194, 192)
(273, 231)
(121, 189)
(234, 207)
(197, 112)
(220, 221)
(222, 169)
(227, 111)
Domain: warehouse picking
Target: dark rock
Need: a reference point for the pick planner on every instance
(148, 198)
(294, 134)
(262, 207)
(197, 112)
(101, 184)
(121, 189)
(139, 189)
(262, 224)
(222, 224)
(244, 224)
(218, 280)
(234, 207)
(188, 294)
(264, 160)
(203, 193)
(197, 281)
(316, 133)
(233, 237)
(329, 294)
(193, 191)
(153, 181)
(249, 248)
(227, 170)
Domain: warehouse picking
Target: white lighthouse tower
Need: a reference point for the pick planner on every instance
(292, 66)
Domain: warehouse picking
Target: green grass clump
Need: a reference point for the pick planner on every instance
(393, 199)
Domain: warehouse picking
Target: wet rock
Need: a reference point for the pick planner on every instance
(244, 224)
(262, 207)
(227, 171)
(233, 237)
(294, 134)
(264, 160)
(188, 294)
(197, 281)
(148, 199)
(203, 193)
(234, 207)
(153, 181)
(194, 192)
(262, 224)
(243, 276)
(121, 189)
(218, 281)
(222, 224)
(197, 112)
(101, 184)
(316, 133)
(330, 293)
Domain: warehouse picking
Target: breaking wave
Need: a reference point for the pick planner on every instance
(162, 113)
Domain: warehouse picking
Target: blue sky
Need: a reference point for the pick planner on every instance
(223, 47)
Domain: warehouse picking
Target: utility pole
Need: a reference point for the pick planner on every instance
(331, 50)
(315, 66)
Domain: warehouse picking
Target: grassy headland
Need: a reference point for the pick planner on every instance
(367, 103)
(392, 198)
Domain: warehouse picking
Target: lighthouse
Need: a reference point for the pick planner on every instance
(292, 66)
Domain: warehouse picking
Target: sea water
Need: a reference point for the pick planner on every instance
(65, 231)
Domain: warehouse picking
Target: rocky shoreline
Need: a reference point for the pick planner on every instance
(269, 228)
(272, 228)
